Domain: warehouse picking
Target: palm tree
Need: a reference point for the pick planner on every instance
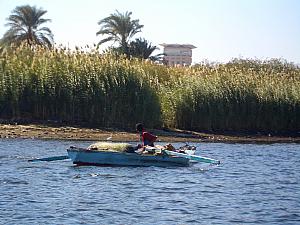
(141, 48)
(24, 23)
(119, 28)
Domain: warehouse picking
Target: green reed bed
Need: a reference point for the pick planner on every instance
(75, 87)
(83, 86)
(236, 97)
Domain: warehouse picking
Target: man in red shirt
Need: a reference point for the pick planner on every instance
(147, 138)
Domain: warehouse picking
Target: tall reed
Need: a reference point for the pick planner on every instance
(86, 87)
(75, 87)
(241, 95)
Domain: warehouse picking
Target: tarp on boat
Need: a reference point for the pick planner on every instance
(110, 146)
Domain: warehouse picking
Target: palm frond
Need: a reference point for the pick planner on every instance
(120, 28)
(105, 40)
(24, 23)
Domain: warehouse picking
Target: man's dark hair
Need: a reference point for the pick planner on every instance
(139, 127)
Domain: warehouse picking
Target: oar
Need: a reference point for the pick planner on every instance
(49, 159)
(193, 157)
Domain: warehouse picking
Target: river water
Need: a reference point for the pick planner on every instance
(254, 184)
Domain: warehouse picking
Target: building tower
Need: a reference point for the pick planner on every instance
(177, 54)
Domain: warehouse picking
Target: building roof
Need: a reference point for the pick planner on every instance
(178, 45)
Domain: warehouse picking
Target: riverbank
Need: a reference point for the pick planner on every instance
(34, 131)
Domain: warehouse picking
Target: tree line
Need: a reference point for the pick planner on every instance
(26, 24)
(42, 82)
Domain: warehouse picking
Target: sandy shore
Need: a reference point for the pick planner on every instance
(76, 133)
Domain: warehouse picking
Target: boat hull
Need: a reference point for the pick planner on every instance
(81, 156)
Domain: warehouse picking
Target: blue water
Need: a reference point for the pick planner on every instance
(255, 184)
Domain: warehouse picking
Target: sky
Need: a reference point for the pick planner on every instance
(220, 29)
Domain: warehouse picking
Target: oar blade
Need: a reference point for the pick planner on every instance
(205, 159)
(49, 159)
(193, 157)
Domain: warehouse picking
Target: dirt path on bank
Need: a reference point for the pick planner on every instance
(77, 133)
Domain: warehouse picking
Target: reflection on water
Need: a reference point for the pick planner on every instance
(255, 184)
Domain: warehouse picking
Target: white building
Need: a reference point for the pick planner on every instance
(177, 54)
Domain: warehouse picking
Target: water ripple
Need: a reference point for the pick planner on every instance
(255, 184)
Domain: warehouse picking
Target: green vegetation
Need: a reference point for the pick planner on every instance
(75, 87)
(25, 25)
(38, 82)
(84, 86)
(119, 28)
(243, 95)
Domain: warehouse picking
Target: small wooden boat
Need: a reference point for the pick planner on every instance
(122, 154)
(81, 156)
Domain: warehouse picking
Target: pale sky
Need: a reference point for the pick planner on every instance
(220, 29)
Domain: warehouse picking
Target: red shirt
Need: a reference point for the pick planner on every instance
(148, 138)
